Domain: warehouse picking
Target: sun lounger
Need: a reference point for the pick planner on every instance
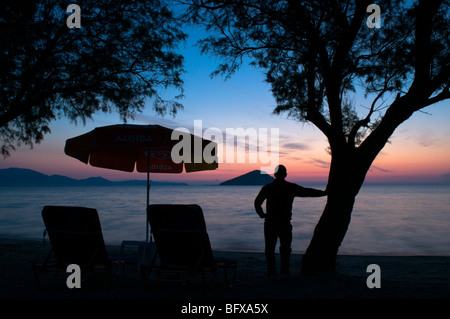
(76, 238)
(182, 243)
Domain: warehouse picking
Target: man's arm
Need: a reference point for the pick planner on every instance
(258, 203)
(309, 192)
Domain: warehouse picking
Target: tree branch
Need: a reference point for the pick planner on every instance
(445, 94)
(315, 117)
(423, 30)
(334, 78)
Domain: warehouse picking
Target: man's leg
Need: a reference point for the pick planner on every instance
(270, 236)
(285, 247)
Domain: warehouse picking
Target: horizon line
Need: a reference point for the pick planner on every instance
(401, 180)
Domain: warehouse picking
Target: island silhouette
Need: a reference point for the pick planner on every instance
(252, 178)
(12, 177)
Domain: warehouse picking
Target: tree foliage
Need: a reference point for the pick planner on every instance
(122, 55)
(317, 54)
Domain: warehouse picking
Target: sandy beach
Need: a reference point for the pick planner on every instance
(402, 278)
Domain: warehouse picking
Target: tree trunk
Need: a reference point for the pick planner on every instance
(329, 233)
(346, 177)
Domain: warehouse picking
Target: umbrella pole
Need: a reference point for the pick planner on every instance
(148, 200)
(148, 195)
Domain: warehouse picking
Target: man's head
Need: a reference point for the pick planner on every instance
(280, 172)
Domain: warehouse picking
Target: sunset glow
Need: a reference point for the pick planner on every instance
(419, 150)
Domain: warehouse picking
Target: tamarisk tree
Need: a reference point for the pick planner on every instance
(315, 55)
(120, 54)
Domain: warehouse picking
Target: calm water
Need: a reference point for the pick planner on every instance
(403, 220)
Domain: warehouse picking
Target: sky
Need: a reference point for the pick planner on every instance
(419, 150)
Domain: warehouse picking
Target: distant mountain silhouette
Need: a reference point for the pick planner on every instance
(11, 177)
(255, 177)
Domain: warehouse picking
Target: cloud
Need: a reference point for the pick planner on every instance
(294, 158)
(426, 142)
(376, 168)
(296, 146)
(319, 163)
(427, 138)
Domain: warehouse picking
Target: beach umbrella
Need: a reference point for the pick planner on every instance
(144, 148)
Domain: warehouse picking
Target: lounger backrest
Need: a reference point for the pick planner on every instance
(75, 234)
(180, 235)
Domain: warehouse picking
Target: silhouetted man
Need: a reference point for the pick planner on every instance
(279, 196)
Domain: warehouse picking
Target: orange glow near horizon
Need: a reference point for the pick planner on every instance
(395, 163)
(411, 157)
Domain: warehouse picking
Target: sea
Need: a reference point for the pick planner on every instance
(402, 220)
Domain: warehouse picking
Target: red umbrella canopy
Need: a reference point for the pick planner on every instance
(124, 147)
